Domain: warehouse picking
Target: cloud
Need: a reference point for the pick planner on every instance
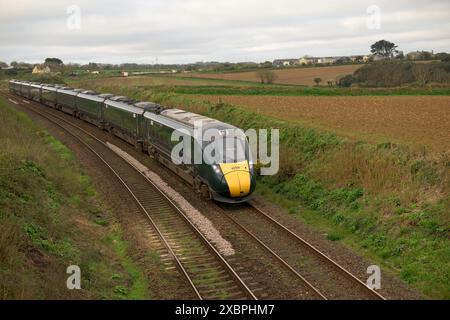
(181, 31)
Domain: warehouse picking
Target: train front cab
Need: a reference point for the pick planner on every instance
(232, 178)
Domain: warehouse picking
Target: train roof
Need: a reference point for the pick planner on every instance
(105, 95)
(51, 87)
(151, 107)
(124, 104)
(180, 119)
(90, 92)
(188, 118)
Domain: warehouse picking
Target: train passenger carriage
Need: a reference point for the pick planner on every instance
(48, 94)
(66, 99)
(14, 86)
(89, 106)
(24, 88)
(122, 118)
(35, 92)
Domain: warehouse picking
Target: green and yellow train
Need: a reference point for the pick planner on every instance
(150, 127)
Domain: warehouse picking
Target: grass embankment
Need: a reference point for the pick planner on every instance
(387, 201)
(51, 218)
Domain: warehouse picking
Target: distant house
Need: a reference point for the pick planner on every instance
(326, 60)
(377, 57)
(285, 62)
(40, 69)
(415, 55)
(95, 72)
(359, 58)
(307, 61)
(124, 73)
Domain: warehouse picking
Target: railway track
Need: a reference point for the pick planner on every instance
(207, 273)
(323, 275)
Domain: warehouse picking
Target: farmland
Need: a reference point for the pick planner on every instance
(156, 80)
(407, 119)
(412, 119)
(299, 76)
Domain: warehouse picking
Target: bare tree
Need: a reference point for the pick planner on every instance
(317, 81)
(422, 73)
(267, 76)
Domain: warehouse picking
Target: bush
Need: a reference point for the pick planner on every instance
(346, 81)
(267, 76)
(398, 73)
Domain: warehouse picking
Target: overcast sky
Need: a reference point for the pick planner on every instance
(182, 31)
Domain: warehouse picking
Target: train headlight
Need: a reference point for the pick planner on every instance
(217, 168)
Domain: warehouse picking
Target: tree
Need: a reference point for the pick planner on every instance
(267, 64)
(425, 55)
(343, 60)
(400, 55)
(384, 48)
(422, 73)
(3, 64)
(53, 61)
(346, 81)
(267, 76)
(443, 56)
(317, 81)
(20, 65)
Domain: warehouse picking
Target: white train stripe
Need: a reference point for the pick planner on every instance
(28, 102)
(15, 102)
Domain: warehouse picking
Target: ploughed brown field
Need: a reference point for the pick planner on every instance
(145, 81)
(300, 76)
(418, 120)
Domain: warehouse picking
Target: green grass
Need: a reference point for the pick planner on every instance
(138, 289)
(51, 218)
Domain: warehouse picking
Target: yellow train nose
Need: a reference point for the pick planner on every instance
(237, 176)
